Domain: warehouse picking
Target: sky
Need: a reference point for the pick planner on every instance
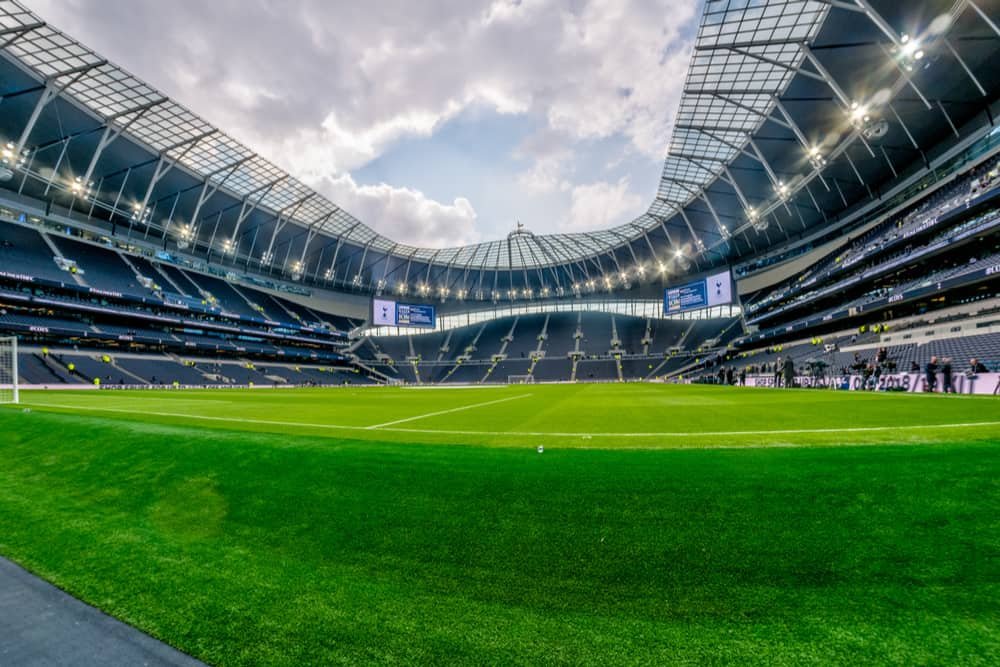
(436, 122)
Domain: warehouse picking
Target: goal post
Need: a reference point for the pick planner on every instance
(8, 370)
(520, 379)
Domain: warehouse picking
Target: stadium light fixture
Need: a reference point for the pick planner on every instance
(910, 51)
(328, 274)
(859, 114)
(266, 257)
(80, 188)
(229, 247)
(139, 214)
(9, 157)
(296, 271)
(816, 158)
(782, 189)
(185, 234)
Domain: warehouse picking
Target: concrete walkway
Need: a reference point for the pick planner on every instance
(42, 626)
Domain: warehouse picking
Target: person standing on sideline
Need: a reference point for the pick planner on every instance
(789, 372)
(931, 375)
(946, 386)
(777, 372)
(743, 377)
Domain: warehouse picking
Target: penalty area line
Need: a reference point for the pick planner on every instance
(447, 412)
(542, 434)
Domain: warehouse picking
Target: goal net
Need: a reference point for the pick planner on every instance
(8, 370)
(520, 379)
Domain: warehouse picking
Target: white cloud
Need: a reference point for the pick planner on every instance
(324, 87)
(600, 205)
(406, 215)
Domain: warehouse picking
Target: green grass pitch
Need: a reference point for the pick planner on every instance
(661, 525)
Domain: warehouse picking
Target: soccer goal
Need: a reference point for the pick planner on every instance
(520, 379)
(8, 370)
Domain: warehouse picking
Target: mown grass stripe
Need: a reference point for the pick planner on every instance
(540, 434)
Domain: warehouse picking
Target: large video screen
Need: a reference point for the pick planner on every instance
(715, 290)
(389, 313)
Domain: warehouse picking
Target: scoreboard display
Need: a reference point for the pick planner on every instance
(390, 313)
(714, 290)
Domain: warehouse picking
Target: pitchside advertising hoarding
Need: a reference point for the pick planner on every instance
(715, 290)
(981, 383)
(389, 313)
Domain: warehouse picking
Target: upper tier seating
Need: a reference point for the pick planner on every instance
(102, 267)
(23, 251)
(228, 299)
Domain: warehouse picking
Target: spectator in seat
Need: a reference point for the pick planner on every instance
(914, 366)
(931, 375)
(976, 366)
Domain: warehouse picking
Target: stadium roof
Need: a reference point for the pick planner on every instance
(769, 141)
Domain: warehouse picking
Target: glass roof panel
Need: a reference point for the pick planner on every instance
(746, 52)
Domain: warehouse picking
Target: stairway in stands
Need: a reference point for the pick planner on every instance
(502, 354)
(445, 346)
(58, 253)
(464, 354)
(413, 359)
(539, 352)
(647, 338)
(60, 374)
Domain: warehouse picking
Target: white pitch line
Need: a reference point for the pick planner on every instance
(692, 434)
(561, 434)
(447, 412)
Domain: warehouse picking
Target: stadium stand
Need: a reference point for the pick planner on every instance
(885, 241)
